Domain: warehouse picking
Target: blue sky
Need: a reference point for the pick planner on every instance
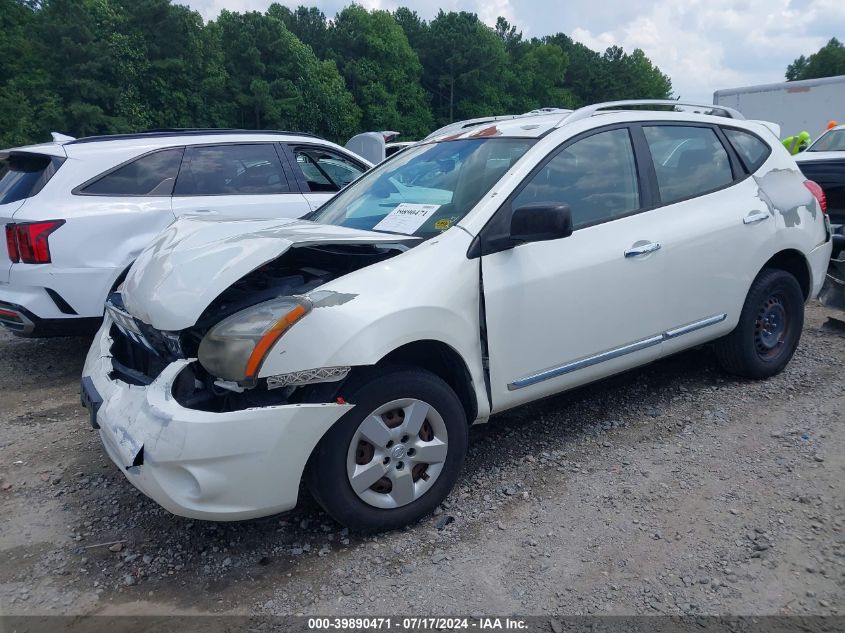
(703, 45)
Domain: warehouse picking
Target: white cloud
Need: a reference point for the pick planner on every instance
(705, 46)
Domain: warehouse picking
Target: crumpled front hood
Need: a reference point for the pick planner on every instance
(196, 258)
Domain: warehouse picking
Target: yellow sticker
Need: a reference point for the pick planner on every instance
(442, 225)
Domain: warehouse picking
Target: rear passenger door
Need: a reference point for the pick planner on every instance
(322, 172)
(244, 180)
(713, 226)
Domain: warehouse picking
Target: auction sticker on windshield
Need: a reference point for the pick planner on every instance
(406, 218)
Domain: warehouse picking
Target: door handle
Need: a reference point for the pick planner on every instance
(644, 249)
(756, 216)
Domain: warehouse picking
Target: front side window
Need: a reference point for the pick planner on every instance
(595, 176)
(424, 190)
(751, 149)
(689, 161)
(149, 175)
(326, 171)
(214, 170)
(833, 141)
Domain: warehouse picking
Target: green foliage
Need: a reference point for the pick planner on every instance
(464, 63)
(592, 77)
(542, 70)
(103, 66)
(828, 61)
(381, 70)
(276, 81)
(307, 23)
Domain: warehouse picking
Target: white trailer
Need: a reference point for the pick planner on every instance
(794, 105)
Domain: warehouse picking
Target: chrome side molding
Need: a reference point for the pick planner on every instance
(630, 348)
(692, 327)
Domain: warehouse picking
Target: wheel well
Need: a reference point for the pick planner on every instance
(796, 265)
(443, 361)
(120, 278)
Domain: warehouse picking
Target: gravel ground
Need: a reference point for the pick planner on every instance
(672, 489)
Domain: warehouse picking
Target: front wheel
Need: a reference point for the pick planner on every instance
(769, 327)
(394, 457)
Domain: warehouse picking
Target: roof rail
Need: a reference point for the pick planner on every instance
(158, 133)
(587, 111)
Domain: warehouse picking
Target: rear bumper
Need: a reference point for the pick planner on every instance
(20, 321)
(52, 292)
(198, 464)
(837, 216)
(833, 291)
(819, 258)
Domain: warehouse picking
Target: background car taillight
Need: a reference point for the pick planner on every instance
(29, 243)
(818, 193)
(12, 244)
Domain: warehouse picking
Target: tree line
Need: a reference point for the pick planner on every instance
(86, 67)
(828, 61)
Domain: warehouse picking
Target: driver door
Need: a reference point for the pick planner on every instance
(563, 312)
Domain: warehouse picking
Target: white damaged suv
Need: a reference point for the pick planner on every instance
(467, 275)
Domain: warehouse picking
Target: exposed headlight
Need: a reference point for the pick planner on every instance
(235, 348)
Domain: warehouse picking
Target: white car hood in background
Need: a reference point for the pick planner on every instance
(809, 157)
(196, 258)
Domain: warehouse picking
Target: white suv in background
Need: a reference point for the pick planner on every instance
(464, 276)
(76, 212)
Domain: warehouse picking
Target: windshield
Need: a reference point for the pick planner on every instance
(833, 141)
(425, 189)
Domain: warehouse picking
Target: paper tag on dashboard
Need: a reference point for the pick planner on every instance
(406, 218)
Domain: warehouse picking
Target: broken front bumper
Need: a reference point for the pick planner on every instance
(215, 466)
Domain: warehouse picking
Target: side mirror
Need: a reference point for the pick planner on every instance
(540, 222)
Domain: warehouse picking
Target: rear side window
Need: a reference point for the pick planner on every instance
(595, 176)
(689, 161)
(150, 175)
(23, 176)
(244, 169)
(751, 149)
(324, 170)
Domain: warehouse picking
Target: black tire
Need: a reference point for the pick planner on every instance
(327, 475)
(759, 348)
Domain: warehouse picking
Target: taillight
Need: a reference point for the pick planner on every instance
(12, 244)
(33, 240)
(818, 194)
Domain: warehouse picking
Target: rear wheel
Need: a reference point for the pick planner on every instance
(769, 327)
(394, 457)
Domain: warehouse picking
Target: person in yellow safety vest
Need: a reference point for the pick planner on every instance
(797, 143)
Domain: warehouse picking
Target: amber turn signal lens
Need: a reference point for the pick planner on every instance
(269, 339)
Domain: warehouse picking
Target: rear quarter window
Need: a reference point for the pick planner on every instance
(688, 161)
(24, 175)
(752, 151)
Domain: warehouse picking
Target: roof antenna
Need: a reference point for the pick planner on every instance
(61, 138)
